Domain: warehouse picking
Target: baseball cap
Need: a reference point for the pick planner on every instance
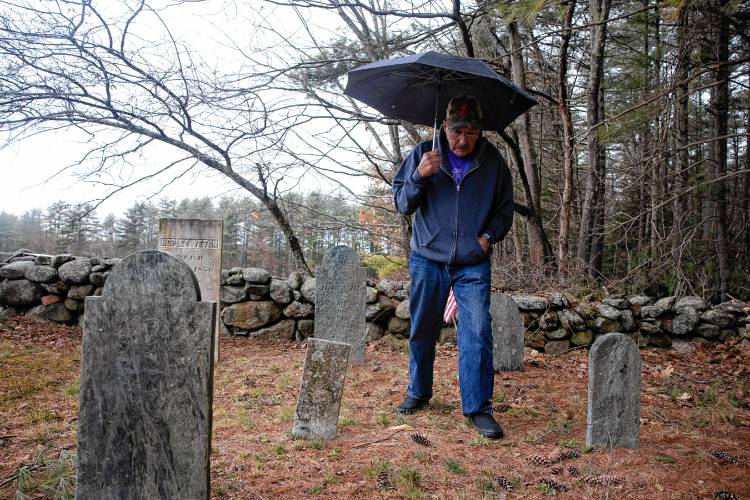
(463, 111)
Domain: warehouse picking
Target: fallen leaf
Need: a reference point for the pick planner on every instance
(667, 372)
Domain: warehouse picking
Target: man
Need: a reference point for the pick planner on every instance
(461, 196)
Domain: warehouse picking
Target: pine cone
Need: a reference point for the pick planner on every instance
(569, 454)
(556, 470)
(725, 495)
(384, 480)
(504, 483)
(605, 480)
(573, 471)
(552, 484)
(564, 455)
(420, 439)
(724, 456)
(538, 460)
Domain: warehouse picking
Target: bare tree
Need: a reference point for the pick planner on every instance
(71, 65)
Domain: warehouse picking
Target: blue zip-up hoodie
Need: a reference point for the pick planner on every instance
(449, 218)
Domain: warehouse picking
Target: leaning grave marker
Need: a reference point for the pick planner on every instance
(340, 300)
(507, 334)
(321, 389)
(198, 243)
(144, 423)
(614, 392)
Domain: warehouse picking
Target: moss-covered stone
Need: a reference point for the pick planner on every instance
(582, 338)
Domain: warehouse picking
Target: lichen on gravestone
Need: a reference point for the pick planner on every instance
(507, 333)
(340, 300)
(144, 424)
(614, 392)
(321, 389)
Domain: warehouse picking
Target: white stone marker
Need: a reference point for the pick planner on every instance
(197, 242)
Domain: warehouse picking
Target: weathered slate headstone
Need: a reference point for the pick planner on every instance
(507, 334)
(614, 408)
(340, 300)
(197, 242)
(144, 424)
(321, 389)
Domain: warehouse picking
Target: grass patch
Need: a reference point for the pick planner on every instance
(316, 444)
(480, 441)
(455, 467)
(410, 480)
(72, 390)
(384, 419)
(376, 467)
(27, 371)
(487, 486)
(570, 443)
(42, 415)
(665, 459)
(285, 414)
(279, 450)
(344, 421)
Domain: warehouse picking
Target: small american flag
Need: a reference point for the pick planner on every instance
(450, 307)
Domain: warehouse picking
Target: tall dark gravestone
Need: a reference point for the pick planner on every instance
(321, 389)
(197, 242)
(614, 408)
(507, 334)
(341, 301)
(144, 424)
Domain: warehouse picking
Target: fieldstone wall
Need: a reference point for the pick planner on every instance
(258, 305)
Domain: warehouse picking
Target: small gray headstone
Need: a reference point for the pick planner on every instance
(197, 242)
(321, 389)
(507, 333)
(144, 425)
(340, 300)
(614, 407)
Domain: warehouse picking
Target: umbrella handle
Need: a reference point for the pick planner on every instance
(437, 100)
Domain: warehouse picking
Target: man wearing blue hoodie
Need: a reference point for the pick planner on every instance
(461, 196)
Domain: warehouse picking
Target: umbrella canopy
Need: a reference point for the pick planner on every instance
(417, 88)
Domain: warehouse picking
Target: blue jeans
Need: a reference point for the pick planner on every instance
(430, 285)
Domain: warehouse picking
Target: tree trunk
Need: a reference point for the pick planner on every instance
(682, 160)
(594, 200)
(568, 140)
(719, 108)
(537, 251)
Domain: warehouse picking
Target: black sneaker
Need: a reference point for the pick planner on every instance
(410, 405)
(486, 424)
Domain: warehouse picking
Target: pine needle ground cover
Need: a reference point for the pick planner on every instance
(694, 435)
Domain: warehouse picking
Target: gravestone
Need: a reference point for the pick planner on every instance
(614, 408)
(197, 242)
(340, 300)
(144, 423)
(321, 389)
(507, 334)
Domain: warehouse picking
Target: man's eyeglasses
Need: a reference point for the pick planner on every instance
(467, 134)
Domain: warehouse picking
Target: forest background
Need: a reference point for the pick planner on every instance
(632, 173)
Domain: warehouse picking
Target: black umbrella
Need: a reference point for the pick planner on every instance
(417, 88)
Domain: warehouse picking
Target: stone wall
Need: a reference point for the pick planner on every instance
(256, 304)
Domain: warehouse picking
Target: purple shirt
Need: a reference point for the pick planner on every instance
(459, 166)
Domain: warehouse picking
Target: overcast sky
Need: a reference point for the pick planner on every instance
(33, 174)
